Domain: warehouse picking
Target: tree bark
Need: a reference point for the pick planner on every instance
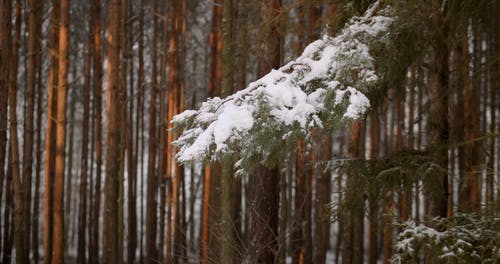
(97, 104)
(81, 257)
(113, 124)
(62, 86)
(263, 246)
(151, 242)
(437, 126)
(20, 228)
(208, 240)
(50, 143)
(28, 141)
(322, 201)
(5, 37)
(373, 197)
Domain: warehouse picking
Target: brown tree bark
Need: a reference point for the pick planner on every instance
(353, 231)
(373, 195)
(152, 254)
(39, 152)
(303, 173)
(227, 227)
(50, 144)
(174, 172)
(322, 201)
(28, 146)
(113, 154)
(81, 255)
(263, 247)
(208, 239)
(437, 127)
(140, 132)
(463, 80)
(8, 235)
(5, 37)
(162, 137)
(69, 232)
(132, 146)
(20, 227)
(97, 105)
(62, 86)
(471, 191)
(494, 102)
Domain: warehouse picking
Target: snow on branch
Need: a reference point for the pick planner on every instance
(328, 81)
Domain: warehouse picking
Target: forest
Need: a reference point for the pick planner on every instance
(259, 131)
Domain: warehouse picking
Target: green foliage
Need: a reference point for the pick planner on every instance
(375, 177)
(463, 238)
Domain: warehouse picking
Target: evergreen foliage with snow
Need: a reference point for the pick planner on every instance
(328, 84)
(467, 238)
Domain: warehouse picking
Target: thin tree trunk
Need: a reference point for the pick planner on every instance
(50, 144)
(70, 126)
(124, 57)
(131, 150)
(20, 228)
(175, 105)
(113, 153)
(62, 86)
(81, 257)
(263, 246)
(495, 79)
(97, 83)
(151, 246)
(5, 38)
(322, 200)
(162, 137)
(214, 82)
(28, 150)
(373, 197)
(38, 155)
(140, 126)
(472, 152)
(7, 221)
(302, 205)
(227, 230)
(438, 125)
(264, 234)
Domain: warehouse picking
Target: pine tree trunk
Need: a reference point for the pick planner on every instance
(438, 130)
(494, 103)
(28, 142)
(227, 228)
(132, 149)
(38, 155)
(373, 195)
(301, 253)
(113, 141)
(62, 86)
(20, 228)
(322, 201)
(472, 152)
(97, 103)
(264, 243)
(5, 38)
(70, 139)
(7, 221)
(208, 241)
(81, 255)
(50, 144)
(151, 246)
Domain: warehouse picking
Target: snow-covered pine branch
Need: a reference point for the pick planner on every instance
(328, 83)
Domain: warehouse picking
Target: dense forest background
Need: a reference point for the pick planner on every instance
(88, 173)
